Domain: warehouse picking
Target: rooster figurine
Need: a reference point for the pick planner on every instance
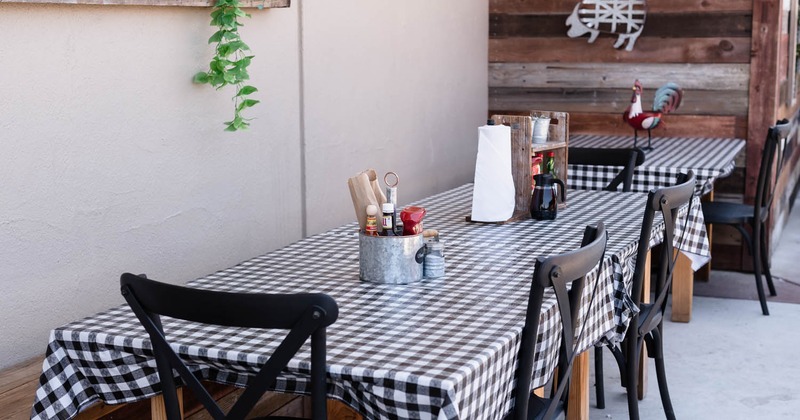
(668, 98)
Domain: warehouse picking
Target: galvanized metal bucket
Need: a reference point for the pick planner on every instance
(391, 259)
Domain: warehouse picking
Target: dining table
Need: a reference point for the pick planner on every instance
(443, 348)
(709, 159)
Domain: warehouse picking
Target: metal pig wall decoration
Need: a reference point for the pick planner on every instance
(625, 18)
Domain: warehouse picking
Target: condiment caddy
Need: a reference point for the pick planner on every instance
(392, 246)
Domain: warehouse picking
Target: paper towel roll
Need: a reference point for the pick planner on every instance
(493, 194)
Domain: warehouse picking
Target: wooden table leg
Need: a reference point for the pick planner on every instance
(682, 289)
(337, 410)
(578, 403)
(157, 409)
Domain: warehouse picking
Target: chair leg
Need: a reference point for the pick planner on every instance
(755, 251)
(746, 237)
(759, 283)
(619, 357)
(598, 377)
(765, 262)
(661, 373)
(632, 371)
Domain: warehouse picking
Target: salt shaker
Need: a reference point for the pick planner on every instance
(434, 260)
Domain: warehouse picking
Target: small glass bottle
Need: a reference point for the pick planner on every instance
(434, 260)
(387, 220)
(371, 228)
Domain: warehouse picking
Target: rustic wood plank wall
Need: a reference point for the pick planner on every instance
(703, 45)
(734, 82)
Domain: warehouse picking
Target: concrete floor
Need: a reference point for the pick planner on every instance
(729, 362)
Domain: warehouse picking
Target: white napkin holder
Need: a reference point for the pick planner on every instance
(493, 196)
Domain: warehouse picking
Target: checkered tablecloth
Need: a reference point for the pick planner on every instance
(443, 348)
(710, 159)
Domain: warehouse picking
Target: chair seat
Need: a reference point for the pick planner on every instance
(644, 312)
(727, 213)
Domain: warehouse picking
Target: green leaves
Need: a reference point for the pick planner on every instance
(229, 64)
(238, 123)
(246, 90)
(247, 103)
(200, 78)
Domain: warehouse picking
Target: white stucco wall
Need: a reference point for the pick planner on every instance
(112, 161)
(396, 86)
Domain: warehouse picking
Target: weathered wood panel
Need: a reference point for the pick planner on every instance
(620, 76)
(647, 50)
(675, 125)
(20, 374)
(191, 3)
(653, 6)
(16, 403)
(764, 93)
(695, 102)
(764, 107)
(692, 25)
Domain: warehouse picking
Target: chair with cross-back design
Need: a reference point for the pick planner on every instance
(756, 215)
(647, 327)
(555, 273)
(303, 315)
(628, 159)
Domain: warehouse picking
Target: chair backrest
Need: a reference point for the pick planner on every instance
(764, 187)
(667, 201)
(303, 315)
(556, 272)
(629, 159)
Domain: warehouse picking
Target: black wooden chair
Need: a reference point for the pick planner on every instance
(555, 272)
(755, 215)
(646, 327)
(628, 159)
(303, 315)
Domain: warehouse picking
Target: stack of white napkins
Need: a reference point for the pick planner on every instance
(493, 194)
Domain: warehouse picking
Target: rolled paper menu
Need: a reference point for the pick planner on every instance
(363, 194)
(376, 188)
(493, 196)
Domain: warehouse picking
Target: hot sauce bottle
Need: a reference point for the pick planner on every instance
(387, 220)
(372, 221)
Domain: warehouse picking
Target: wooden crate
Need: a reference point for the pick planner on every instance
(522, 151)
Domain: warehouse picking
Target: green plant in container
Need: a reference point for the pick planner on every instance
(230, 61)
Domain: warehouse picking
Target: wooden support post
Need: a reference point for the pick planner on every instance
(682, 289)
(157, 409)
(578, 403)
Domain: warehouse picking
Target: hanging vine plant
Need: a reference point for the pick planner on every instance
(230, 61)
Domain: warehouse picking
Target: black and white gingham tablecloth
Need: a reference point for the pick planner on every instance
(443, 348)
(709, 159)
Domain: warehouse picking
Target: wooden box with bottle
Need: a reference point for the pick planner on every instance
(523, 151)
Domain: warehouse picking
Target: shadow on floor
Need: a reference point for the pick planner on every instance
(735, 285)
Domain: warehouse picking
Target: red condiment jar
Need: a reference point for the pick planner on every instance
(412, 220)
